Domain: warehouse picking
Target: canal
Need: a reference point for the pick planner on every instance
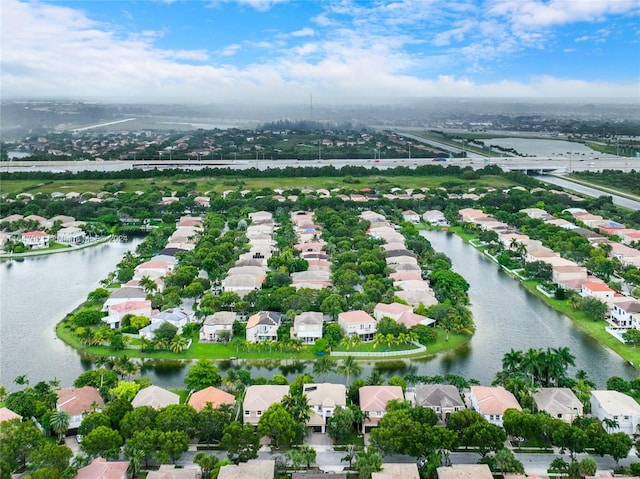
(37, 292)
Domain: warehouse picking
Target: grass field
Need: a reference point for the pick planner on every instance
(232, 183)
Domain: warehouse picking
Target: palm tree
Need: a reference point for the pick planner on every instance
(351, 341)
(531, 363)
(125, 367)
(511, 360)
(349, 367)
(323, 366)
(178, 343)
(59, 422)
(610, 424)
(566, 357)
(298, 406)
(148, 284)
(206, 462)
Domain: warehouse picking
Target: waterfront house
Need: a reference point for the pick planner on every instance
(358, 323)
(597, 290)
(492, 402)
(7, 414)
(258, 398)
(625, 314)
(411, 216)
(252, 469)
(100, 468)
(35, 239)
(156, 397)
(562, 274)
(216, 323)
(71, 235)
(323, 399)
(435, 218)
(77, 402)
(560, 403)
(307, 327)
(122, 295)
(373, 402)
(210, 396)
(443, 399)
(175, 317)
(120, 310)
(617, 407)
(263, 326)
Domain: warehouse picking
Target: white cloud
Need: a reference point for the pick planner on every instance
(229, 50)
(260, 5)
(304, 32)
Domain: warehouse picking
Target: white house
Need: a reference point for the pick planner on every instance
(174, 317)
(560, 403)
(617, 407)
(216, 323)
(120, 310)
(71, 235)
(263, 326)
(625, 313)
(411, 216)
(492, 402)
(435, 218)
(358, 323)
(35, 239)
(307, 327)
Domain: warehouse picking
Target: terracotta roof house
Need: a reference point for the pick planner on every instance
(258, 398)
(560, 403)
(119, 310)
(358, 323)
(216, 323)
(374, 399)
(300, 218)
(193, 221)
(471, 214)
(324, 398)
(7, 414)
(444, 399)
(213, 396)
(252, 469)
(307, 326)
(465, 471)
(405, 267)
(156, 397)
(263, 326)
(619, 407)
(393, 470)
(597, 290)
(77, 402)
(35, 239)
(100, 468)
(122, 295)
(492, 402)
(414, 275)
(171, 471)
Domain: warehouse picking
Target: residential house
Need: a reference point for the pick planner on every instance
(465, 471)
(252, 469)
(311, 279)
(492, 402)
(210, 396)
(175, 317)
(258, 398)
(123, 295)
(120, 310)
(216, 323)
(7, 414)
(625, 314)
(560, 403)
(307, 327)
(323, 399)
(77, 402)
(617, 407)
(156, 397)
(597, 290)
(263, 326)
(411, 216)
(535, 213)
(241, 284)
(561, 274)
(261, 217)
(358, 323)
(435, 218)
(588, 219)
(443, 399)
(171, 471)
(35, 239)
(401, 313)
(374, 219)
(373, 402)
(71, 235)
(100, 468)
(301, 218)
(470, 215)
(393, 470)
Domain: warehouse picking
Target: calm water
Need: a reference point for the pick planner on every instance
(36, 293)
(543, 147)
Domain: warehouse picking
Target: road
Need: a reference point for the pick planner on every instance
(591, 191)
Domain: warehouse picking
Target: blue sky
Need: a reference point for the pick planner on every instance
(342, 51)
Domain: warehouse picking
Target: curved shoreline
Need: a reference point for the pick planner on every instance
(45, 252)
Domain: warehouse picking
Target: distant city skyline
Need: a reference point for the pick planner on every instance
(341, 51)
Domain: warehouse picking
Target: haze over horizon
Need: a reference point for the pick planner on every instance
(339, 51)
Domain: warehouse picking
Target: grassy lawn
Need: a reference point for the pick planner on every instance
(221, 184)
(595, 329)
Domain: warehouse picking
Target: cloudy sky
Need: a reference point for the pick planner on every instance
(356, 51)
